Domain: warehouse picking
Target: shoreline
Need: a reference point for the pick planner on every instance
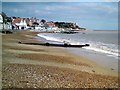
(110, 62)
(19, 58)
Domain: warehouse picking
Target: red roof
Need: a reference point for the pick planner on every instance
(17, 20)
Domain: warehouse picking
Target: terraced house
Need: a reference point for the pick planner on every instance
(19, 23)
(5, 22)
(1, 22)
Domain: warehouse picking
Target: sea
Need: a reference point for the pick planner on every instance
(103, 49)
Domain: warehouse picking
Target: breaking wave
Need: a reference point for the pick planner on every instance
(109, 49)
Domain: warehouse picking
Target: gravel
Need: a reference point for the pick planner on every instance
(41, 76)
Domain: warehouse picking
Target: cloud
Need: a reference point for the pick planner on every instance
(112, 0)
(37, 11)
(60, 0)
(108, 9)
(86, 14)
(104, 7)
(18, 10)
(64, 7)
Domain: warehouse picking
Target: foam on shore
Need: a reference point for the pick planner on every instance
(97, 47)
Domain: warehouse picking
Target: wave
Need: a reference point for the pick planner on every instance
(102, 51)
(110, 49)
(47, 37)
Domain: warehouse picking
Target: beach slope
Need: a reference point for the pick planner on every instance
(35, 66)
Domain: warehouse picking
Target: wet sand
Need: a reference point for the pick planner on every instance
(34, 66)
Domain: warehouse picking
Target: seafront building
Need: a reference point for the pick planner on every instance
(1, 22)
(18, 23)
(5, 22)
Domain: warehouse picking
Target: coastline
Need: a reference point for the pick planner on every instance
(110, 63)
(53, 62)
(97, 55)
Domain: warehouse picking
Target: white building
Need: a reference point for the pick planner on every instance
(22, 24)
(1, 22)
(19, 23)
(6, 26)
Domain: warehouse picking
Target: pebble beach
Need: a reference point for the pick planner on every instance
(35, 66)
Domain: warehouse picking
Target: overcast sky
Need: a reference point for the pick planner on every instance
(90, 15)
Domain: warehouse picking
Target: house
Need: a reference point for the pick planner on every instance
(20, 23)
(50, 24)
(5, 22)
(1, 22)
(30, 23)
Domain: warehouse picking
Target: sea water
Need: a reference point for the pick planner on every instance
(103, 49)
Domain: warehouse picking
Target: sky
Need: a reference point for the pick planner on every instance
(59, 0)
(89, 15)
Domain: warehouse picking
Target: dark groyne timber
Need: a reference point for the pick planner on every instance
(56, 45)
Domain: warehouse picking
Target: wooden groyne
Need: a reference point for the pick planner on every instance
(56, 45)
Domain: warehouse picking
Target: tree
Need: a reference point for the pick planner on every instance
(43, 20)
(6, 19)
(14, 17)
(35, 23)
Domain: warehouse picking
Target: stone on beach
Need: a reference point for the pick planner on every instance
(29, 66)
